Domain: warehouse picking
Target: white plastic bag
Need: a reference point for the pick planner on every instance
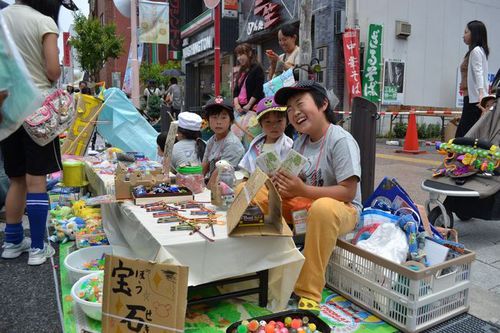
(388, 241)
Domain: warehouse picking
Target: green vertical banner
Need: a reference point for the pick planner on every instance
(373, 66)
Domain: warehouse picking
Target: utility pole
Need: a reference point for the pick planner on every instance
(305, 36)
(134, 61)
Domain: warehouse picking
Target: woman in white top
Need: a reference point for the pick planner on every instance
(474, 74)
(287, 38)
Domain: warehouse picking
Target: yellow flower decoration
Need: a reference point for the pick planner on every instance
(469, 159)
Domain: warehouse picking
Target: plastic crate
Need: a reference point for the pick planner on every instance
(410, 300)
(321, 326)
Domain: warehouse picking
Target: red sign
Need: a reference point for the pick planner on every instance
(270, 11)
(351, 56)
(67, 50)
(175, 31)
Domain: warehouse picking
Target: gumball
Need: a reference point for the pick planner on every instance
(305, 320)
(312, 327)
(253, 325)
(262, 323)
(242, 328)
(288, 321)
(292, 330)
(300, 330)
(280, 324)
(296, 323)
(270, 328)
(284, 330)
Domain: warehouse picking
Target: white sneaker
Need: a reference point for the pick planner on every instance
(11, 250)
(39, 256)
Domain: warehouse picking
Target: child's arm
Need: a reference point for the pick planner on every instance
(290, 186)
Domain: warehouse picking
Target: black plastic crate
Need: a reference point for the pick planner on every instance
(280, 316)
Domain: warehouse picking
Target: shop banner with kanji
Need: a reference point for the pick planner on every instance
(351, 56)
(143, 296)
(153, 22)
(373, 65)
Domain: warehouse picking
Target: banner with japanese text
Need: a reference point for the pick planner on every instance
(373, 65)
(67, 50)
(153, 22)
(351, 56)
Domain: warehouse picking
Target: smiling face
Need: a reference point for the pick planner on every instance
(220, 123)
(287, 43)
(467, 36)
(305, 116)
(273, 125)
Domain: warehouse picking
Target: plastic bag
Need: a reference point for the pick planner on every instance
(23, 97)
(388, 241)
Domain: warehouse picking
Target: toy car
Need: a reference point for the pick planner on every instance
(252, 216)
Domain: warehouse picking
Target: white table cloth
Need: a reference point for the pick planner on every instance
(134, 233)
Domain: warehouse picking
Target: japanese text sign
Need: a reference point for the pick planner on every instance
(373, 65)
(141, 296)
(351, 56)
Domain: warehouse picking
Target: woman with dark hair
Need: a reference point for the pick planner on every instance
(248, 88)
(474, 74)
(287, 38)
(33, 27)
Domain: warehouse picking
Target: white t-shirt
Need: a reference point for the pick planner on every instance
(28, 27)
(229, 149)
(184, 152)
(332, 161)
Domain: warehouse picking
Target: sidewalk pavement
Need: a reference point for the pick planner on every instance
(480, 236)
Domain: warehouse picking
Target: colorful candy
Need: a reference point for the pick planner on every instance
(91, 289)
(288, 325)
(94, 265)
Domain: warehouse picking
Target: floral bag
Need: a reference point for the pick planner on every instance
(52, 118)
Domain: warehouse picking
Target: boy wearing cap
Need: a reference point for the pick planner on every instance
(330, 179)
(190, 148)
(272, 119)
(223, 145)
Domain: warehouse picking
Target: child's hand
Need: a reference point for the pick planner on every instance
(288, 185)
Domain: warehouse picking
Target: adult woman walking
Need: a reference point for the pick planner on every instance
(27, 163)
(287, 38)
(474, 75)
(248, 90)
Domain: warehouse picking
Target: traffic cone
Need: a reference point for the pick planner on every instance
(411, 145)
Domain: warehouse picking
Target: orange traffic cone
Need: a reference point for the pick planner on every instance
(411, 145)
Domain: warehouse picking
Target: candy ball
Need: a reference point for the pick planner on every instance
(284, 330)
(312, 327)
(288, 321)
(270, 328)
(279, 324)
(253, 325)
(296, 323)
(262, 323)
(305, 320)
(242, 328)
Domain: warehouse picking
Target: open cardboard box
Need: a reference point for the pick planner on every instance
(123, 187)
(274, 223)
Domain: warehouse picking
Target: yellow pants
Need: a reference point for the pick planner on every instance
(327, 219)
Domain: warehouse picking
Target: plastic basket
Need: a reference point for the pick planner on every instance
(280, 316)
(410, 300)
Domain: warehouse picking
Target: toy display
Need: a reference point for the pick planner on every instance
(91, 289)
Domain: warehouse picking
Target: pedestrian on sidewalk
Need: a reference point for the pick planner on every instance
(26, 163)
(474, 75)
(173, 97)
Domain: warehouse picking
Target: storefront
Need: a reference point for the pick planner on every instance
(198, 57)
(259, 25)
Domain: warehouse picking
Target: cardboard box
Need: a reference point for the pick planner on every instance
(274, 223)
(123, 187)
(143, 296)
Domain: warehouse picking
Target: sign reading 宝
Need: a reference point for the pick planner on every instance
(142, 296)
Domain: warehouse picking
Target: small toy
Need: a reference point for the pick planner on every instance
(252, 216)
(91, 289)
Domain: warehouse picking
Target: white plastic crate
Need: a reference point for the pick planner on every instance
(410, 300)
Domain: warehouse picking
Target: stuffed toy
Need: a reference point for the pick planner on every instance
(80, 209)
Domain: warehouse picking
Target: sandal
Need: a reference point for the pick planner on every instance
(309, 304)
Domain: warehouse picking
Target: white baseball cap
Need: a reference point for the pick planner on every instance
(190, 121)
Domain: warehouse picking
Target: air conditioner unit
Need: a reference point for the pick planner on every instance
(403, 29)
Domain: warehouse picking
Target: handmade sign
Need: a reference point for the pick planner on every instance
(80, 131)
(142, 296)
(274, 223)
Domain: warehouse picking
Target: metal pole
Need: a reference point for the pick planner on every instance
(133, 60)
(305, 36)
(217, 50)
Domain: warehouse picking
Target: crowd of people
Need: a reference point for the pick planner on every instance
(329, 181)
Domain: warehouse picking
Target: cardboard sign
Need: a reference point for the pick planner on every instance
(274, 223)
(80, 131)
(142, 296)
(169, 147)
